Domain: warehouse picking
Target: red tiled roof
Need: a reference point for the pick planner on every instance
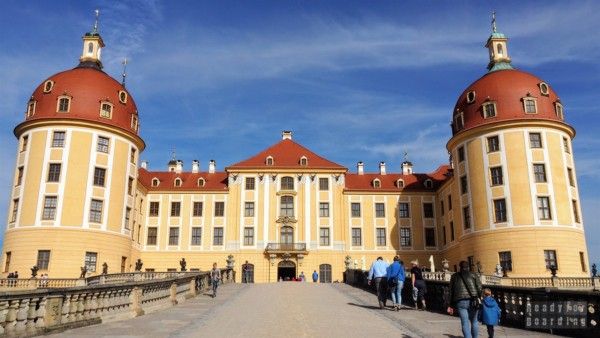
(212, 182)
(286, 154)
(414, 182)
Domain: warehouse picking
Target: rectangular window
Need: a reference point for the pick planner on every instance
(49, 212)
(219, 209)
(444, 238)
(7, 261)
(449, 202)
(175, 209)
(54, 172)
(464, 187)
(355, 209)
(539, 173)
(461, 154)
(459, 122)
(103, 144)
(248, 236)
(543, 204)
(489, 110)
(127, 217)
(442, 207)
(15, 210)
(106, 110)
(197, 209)
(24, 143)
(497, 177)
(43, 259)
(379, 210)
(63, 104)
(173, 236)
(535, 140)
(405, 237)
(96, 211)
(154, 207)
(287, 206)
(323, 183)
(493, 143)
(428, 210)
(467, 217)
(324, 237)
(566, 145)
(323, 209)
(58, 139)
(218, 236)
(505, 258)
(130, 186)
(196, 236)
(429, 237)
(529, 106)
(132, 156)
(249, 209)
(451, 231)
(571, 177)
(151, 239)
(19, 176)
(249, 183)
(99, 176)
(381, 238)
(582, 261)
(575, 211)
(403, 210)
(356, 236)
(500, 210)
(90, 261)
(287, 183)
(550, 258)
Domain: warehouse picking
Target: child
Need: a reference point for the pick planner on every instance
(490, 312)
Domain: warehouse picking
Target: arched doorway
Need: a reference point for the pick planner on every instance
(286, 270)
(325, 273)
(247, 273)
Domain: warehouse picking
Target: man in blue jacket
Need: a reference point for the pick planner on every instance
(395, 279)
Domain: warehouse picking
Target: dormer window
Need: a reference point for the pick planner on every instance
(428, 184)
(471, 96)
(303, 161)
(31, 108)
(558, 108)
(376, 183)
(400, 183)
(459, 122)
(201, 182)
(134, 122)
(269, 160)
(48, 85)
(529, 105)
(489, 110)
(544, 88)
(106, 109)
(122, 96)
(155, 182)
(63, 105)
(177, 182)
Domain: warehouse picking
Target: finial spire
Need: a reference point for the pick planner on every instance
(173, 154)
(494, 21)
(124, 74)
(405, 156)
(95, 30)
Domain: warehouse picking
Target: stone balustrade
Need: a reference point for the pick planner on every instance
(31, 312)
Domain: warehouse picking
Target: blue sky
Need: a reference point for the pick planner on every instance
(355, 81)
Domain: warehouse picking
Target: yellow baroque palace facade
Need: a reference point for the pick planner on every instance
(509, 195)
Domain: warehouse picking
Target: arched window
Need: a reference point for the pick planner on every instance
(287, 206)
(500, 49)
(134, 123)
(376, 183)
(155, 182)
(90, 48)
(269, 160)
(428, 184)
(303, 161)
(287, 183)
(201, 182)
(400, 183)
(177, 182)
(559, 110)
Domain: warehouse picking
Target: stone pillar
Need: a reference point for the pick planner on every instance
(3, 313)
(136, 302)
(173, 294)
(192, 292)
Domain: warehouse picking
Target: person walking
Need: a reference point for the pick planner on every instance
(215, 277)
(378, 274)
(302, 277)
(490, 312)
(465, 288)
(315, 276)
(419, 286)
(246, 272)
(395, 280)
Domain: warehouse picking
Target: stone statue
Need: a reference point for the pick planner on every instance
(499, 270)
(83, 272)
(138, 265)
(104, 268)
(553, 270)
(34, 271)
(431, 263)
(594, 270)
(445, 265)
(183, 263)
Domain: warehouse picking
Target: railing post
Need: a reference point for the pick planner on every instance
(11, 316)
(173, 293)
(53, 310)
(192, 293)
(136, 302)
(3, 312)
(31, 315)
(22, 316)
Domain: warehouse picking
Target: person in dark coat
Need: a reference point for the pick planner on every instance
(465, 289)
(490, 312)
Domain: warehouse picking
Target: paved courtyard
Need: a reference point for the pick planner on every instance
(285, 309)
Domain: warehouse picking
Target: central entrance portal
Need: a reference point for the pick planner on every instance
(286, 270)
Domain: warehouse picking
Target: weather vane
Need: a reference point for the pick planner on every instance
(494, 21)
(124, 63)
(173, 153)
(405, 156)
(97, 11)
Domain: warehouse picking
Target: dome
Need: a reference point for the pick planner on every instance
(84, 93)
(505, 95)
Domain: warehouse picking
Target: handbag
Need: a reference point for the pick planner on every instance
(474, 301)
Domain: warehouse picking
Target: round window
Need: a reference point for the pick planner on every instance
(544, 88)
(48, 86)
(471, 97)
(122, 96)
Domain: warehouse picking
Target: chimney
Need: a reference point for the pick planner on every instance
(407, 168)
(145, 165)
(179, 166)
(381, 168)
(195, 166)
(211, 166)
(360, 168)
(286, 135)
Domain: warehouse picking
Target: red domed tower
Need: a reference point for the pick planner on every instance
(514, 192)
(76, 172)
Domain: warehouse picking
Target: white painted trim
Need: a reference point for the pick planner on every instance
(532, 187)
(549, 177)
(307, 210)
(42, 187)
(266, 197)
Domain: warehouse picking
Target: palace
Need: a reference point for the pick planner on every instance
(509, 195)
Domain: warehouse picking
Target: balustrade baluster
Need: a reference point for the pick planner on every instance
(41, 313)
(31, 315)
(22, 316)
(3, 313)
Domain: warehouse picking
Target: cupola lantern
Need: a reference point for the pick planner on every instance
(92, 46)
